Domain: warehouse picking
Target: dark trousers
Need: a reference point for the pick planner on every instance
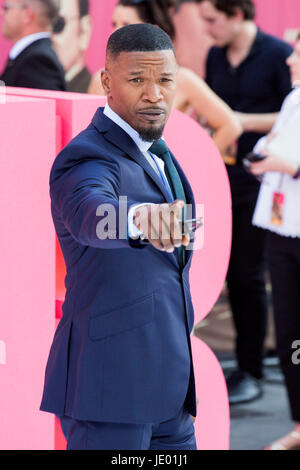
(284, 262)
(247, 290)
(175, 434)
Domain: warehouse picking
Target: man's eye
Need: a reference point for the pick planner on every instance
(165, 80)
(136, 80)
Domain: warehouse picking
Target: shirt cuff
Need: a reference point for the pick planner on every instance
(133, 232)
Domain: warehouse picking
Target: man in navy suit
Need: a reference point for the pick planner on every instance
(32, 61)
(120, 372)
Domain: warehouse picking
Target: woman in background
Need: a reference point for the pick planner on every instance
(193, 95)
(278, 211)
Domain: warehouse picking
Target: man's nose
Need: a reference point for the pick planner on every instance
(152, 92)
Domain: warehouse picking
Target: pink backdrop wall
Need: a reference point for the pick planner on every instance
(27, 269)
(276, 16)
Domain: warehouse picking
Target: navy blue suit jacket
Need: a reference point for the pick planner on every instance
(121, 352)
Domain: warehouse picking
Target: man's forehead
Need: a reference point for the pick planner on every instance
(164, 58)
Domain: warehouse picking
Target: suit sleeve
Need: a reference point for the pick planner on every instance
(41, 72)
(87, 200)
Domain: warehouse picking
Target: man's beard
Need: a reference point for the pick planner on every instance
(150, 134)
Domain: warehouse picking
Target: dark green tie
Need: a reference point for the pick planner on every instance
(160, 149)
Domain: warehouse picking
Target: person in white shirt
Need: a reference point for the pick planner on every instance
(32, 61)
(277, 211)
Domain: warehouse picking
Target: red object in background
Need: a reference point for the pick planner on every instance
(60, 280)
(60, 441)
(58, 309)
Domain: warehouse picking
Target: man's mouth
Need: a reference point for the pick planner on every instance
(152, 114)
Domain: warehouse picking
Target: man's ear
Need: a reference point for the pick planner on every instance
(29, 15)
(106, 81)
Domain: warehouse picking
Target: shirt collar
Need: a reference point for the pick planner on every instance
(23, 43)
(258, 39)
(142, 145)
(256, 43)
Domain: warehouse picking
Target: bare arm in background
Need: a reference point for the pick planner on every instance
(261, 123)
(218, 115)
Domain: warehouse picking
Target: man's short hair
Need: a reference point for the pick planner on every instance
(229, 7)
(84, 8)
(138, 38)
(49, 8)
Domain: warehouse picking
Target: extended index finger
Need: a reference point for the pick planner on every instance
(177, 207)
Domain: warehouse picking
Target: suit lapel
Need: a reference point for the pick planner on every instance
(42, 42)
(189, 199)
(186, 185)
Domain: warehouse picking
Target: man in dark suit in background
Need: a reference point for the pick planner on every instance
(32, 61)
(120, 372)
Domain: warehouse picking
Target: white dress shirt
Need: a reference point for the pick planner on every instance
(283, 183)
(143, 146)
(23, 43)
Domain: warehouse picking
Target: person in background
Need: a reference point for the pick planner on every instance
(277, 211)
(71, 38)
(32, 61)
(192, 92)
(247, 69)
